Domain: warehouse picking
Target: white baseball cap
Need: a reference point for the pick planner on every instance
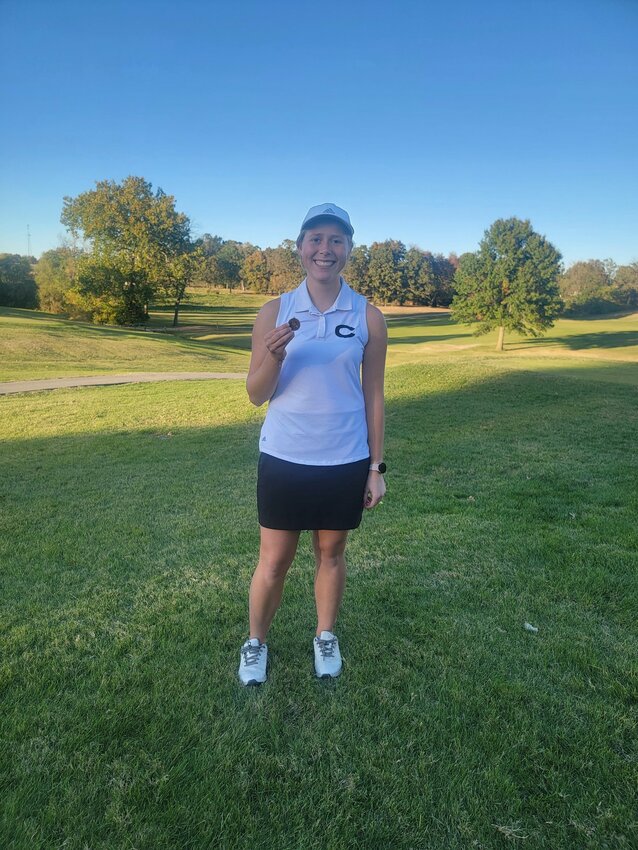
(328, 211)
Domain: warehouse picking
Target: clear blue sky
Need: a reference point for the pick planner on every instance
(425, 120)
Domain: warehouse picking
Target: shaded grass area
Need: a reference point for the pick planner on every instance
(128, 538)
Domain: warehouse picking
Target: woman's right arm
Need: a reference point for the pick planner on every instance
(268, 353)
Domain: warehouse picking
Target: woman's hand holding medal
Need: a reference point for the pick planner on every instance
(277, 340)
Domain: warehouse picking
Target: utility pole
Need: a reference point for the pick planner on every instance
(28, 242)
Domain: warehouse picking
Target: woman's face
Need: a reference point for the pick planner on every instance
(324, 252)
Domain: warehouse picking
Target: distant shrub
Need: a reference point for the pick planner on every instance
(599, 287)
(599, 304)
(17, 286)
(55, 275)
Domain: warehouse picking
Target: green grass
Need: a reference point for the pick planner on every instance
(36, 345)
(605, 349)
(127, 541)
(215, 336)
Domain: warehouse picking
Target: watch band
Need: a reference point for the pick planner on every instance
(378, 467)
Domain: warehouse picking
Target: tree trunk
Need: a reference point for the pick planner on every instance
(176, 314)
(501, 336)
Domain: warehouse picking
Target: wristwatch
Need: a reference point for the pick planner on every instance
(378, 467)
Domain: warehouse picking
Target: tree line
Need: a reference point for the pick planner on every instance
(129, 247)
(386, 272)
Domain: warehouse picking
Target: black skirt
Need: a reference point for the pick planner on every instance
(297, 497)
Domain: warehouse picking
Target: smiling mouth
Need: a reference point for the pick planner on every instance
(324, 262)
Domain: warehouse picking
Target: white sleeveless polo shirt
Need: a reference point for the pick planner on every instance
(316, 415)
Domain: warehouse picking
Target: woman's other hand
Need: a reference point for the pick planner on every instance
(374, 491)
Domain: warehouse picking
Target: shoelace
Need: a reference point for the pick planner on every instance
(251, 654)
(327, 647)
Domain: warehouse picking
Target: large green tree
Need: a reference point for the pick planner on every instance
(510, 283)
(178, 271)
(140, 246)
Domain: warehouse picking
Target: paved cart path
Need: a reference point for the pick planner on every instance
(104, 380)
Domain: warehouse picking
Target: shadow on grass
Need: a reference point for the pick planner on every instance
(62, 325)
(227, 320)
(220, 319)
(34, 315)
(197, 343)
(205, 309)
(410, 320)
(581, 342)
(228, 338)
(425, 337)
(602, 317)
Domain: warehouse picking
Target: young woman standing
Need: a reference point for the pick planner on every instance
(318, 357)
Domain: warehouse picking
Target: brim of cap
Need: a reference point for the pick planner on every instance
(347, 227)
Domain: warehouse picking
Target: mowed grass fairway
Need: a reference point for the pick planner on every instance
(128, 537)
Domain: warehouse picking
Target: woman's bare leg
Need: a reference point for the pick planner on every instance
(276, 554)
(330, 576)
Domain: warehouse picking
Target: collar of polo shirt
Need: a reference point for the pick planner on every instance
(303, 301)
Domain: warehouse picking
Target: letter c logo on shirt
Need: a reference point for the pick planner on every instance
(339, 331)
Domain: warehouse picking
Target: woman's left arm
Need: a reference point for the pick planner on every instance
(372, 373)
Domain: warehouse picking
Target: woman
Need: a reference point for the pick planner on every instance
(318, 357)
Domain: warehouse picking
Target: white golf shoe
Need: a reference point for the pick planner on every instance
(327, 656)
(252, 662)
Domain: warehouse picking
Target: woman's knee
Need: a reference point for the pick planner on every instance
(276, 553)
(330, 548)
(332, 557)
(273, 569)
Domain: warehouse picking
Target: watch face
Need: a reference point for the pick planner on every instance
(382, 468)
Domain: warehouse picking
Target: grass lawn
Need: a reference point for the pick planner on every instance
(127, 541)
(215, 336)
(41, 345)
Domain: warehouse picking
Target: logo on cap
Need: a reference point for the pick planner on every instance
(329, 210)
